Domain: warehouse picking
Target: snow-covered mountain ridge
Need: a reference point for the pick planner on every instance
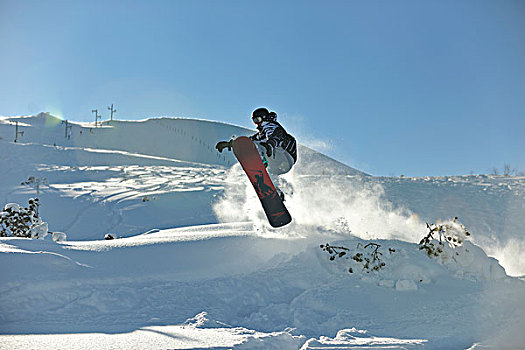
(173, 138)
(198, 266)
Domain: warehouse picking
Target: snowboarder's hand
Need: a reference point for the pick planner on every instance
(224, 144)
(269, 148)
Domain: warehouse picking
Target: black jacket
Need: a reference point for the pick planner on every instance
(274, 134)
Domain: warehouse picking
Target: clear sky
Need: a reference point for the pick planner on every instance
(389, 87)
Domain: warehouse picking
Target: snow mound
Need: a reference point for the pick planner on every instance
(202, 320)
(271, 341)
(403, 266)
(354, 338)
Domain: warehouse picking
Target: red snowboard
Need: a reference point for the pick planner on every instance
(247, 154)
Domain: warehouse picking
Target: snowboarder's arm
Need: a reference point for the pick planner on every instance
(273, 142)
(224, 144)
(277, 135)
(269, 148)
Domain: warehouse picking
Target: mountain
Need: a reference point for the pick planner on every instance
(182, 139)
(198, 267)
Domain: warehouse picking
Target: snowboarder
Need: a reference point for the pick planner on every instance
(277, 148)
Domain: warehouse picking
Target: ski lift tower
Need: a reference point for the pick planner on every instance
(21, 133)
(97, 116)
(112, 111)
(68, 130)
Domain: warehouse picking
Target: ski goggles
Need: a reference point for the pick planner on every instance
(257, 119)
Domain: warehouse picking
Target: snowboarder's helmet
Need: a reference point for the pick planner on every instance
(263, 114)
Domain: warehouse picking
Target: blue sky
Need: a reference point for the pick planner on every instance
(388, 87)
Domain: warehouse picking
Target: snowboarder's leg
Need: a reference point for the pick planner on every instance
(275, 181)
(262, 152)
(279, 163)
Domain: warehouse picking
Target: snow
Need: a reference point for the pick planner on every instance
(14, 207)
(195, 265)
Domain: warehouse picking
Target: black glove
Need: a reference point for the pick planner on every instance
(223, 144)
(269, 148)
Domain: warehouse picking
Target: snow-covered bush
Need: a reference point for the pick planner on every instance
(22, 222)
(453, 250)
(368, 256)
(452, 234)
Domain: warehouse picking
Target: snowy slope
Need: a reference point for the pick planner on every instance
(126, 177)
(198, 266)
(174, 138)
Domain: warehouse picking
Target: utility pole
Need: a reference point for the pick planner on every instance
(97, 117)
(112, 111)
(21, 133)
(68, 128)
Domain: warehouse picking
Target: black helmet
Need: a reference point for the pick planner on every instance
(263, 114)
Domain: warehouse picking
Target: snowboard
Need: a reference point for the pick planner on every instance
(252, 164)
